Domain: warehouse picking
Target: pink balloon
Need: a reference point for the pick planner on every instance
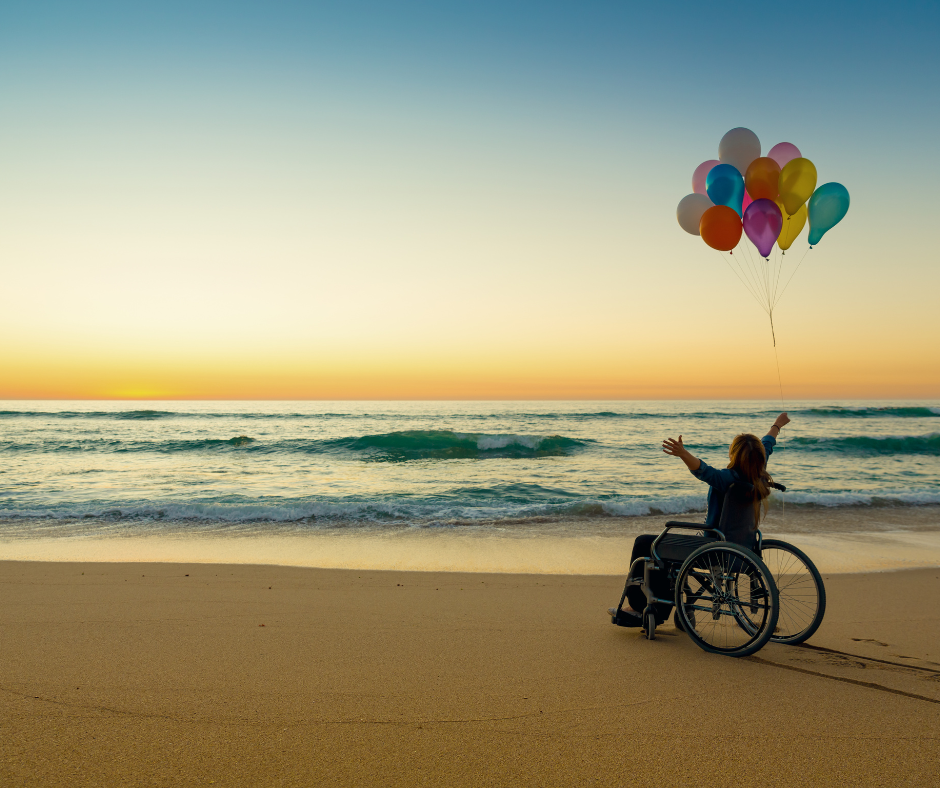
(784, 152)
(747, 201)
(763, 221)
(701, 173)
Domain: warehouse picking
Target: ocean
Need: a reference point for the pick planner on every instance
(104, 468)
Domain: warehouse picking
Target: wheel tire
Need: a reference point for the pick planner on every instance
(798, 592)
(716, 618)
(649, 625)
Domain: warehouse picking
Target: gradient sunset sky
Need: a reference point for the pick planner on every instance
(442, 200)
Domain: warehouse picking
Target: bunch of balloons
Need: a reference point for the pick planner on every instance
(768, 198)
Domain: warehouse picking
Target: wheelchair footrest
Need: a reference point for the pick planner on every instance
(625, 619)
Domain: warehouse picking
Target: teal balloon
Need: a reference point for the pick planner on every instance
(827, 207)
(725, 186)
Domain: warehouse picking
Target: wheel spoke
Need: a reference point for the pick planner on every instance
(729, 610)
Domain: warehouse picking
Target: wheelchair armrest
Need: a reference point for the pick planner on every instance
(672, 524)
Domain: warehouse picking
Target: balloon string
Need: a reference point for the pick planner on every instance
(756, 272)
(741, 262)
(742, 271)
(793, 274)
(760, 272)
(780, 261)
(751, 281)
(761, 265)
(751, 271)
(783, 406)
(746, 285)
(777, 359)
(765, 267)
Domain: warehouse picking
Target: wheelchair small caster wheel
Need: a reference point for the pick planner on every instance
(649, 626)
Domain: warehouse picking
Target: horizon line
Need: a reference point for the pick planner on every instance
(450, 399)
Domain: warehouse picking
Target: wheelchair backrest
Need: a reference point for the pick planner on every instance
(737, 521)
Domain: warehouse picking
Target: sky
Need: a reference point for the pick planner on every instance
(365, 200)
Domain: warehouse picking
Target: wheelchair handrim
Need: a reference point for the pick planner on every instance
(726, 599)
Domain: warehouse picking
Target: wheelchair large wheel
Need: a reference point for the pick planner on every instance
(726, 599)
(801, 590)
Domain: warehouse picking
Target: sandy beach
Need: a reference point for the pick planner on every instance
(210, 674)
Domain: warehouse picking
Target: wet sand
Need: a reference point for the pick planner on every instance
(849, 539)
(196, 674)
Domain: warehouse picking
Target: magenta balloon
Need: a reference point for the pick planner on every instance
(784, 152)
(747, 201)
(762, 224)
(700, 174)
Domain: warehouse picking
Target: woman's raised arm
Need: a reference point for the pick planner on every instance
(782, 420)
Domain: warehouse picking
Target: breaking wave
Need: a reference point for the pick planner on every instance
(865, 444)
(391, 446)
(444, 444)
(909, 412)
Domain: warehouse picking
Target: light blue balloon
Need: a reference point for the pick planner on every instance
(827, 207)
(725, 186)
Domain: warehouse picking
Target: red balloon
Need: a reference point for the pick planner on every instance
(747, 201)
(721, 228)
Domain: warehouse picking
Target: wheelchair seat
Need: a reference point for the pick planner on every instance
(675, 548)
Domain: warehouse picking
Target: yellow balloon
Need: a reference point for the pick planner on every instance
(797, 184)
(792, 226)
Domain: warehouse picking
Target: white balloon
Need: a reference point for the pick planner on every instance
(739, 147)
(690, 210)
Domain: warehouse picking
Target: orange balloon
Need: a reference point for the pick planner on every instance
(762, 179)
(721, 228)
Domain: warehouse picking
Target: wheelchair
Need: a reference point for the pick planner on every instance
(730, 599)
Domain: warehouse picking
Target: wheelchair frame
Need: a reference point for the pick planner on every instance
(657, 563)
(682, 552)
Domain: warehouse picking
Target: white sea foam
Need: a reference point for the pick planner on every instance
(325, 514)
(490, 442)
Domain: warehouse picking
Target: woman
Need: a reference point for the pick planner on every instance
(747, 463)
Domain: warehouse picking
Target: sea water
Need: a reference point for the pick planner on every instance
(86, 468)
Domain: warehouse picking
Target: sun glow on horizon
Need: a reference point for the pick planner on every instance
(323, 204)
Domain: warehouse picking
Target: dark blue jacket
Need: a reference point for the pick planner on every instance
(720, 479)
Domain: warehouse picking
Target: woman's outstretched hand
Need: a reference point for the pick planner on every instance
(675, 448)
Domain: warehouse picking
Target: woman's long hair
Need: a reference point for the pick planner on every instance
(749, 459)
